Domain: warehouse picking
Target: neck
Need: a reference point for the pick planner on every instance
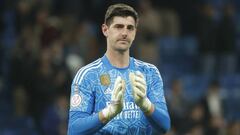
(118, 59)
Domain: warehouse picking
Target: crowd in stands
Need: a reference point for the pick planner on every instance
(195, 45)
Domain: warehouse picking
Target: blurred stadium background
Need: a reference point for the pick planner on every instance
(194, 43)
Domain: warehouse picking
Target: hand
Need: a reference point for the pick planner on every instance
(116, 104)
(139, 90)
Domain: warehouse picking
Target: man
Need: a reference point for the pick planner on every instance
(118, 94)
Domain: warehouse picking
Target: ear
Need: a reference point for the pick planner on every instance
(105, 30)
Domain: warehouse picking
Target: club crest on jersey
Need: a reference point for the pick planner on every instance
(76, 100)
(105, 79)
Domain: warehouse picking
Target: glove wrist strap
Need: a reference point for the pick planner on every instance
(146, 106)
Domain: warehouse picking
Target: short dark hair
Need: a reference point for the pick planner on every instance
(122, 10)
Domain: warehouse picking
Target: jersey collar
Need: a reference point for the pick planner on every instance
(109, 66)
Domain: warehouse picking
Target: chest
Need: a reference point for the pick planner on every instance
(104, 88)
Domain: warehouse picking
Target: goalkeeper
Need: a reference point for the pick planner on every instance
(118, 94)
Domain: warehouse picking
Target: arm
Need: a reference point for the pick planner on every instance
(83, 123)
(153, 103)
(81, 118)
(159, 117)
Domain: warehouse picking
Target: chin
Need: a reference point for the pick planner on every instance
(123, 46)
(122, 49)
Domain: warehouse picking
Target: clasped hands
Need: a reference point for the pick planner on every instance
(139, 91)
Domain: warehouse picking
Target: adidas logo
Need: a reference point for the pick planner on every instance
(108, 91)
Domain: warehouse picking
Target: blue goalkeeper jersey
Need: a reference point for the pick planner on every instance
(91, 92)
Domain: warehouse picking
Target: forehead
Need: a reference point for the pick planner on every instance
(123, 20)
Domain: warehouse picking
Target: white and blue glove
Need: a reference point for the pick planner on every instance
(116, 104)
(139, 91)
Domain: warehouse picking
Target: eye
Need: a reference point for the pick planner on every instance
(119, 26)
(130, 27)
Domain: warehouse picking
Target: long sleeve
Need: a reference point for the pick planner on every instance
(83, 123)
(82, 119)
(159, 119)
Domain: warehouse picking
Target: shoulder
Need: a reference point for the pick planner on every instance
(93, 64)
(88, 71)
(145, 66)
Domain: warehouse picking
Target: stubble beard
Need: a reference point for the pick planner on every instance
(122, 48)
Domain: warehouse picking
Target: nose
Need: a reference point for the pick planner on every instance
(124, 33)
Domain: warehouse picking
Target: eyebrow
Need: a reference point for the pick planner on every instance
(119, 24)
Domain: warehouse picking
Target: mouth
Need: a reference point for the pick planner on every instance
(124, 41)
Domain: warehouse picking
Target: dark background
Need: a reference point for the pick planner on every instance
(194, 43)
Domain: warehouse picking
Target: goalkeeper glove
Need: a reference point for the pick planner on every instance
(116, 103)
(139, 91)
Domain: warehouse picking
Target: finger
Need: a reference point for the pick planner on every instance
(123, 84)
(120, 96)
(123, 87)
(117, 85)
(138, 73)
(141, 87)
(138, 92)
(118, 88)
(137, 97)
(140, 80)
(118, 80)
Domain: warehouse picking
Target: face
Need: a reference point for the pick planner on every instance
(120, 33)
